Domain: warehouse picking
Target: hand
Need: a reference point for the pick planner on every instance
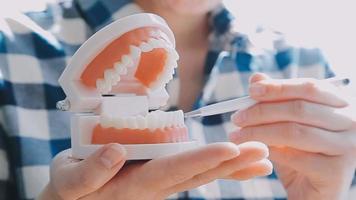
(104, 176)
(311, 131)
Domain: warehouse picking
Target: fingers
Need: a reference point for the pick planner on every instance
(260, 168)
(299, 111)
(251, 152)
(317, 91)
(258, 77)
(165, 172)
(301, 161)
(77, 178)
(297, 136)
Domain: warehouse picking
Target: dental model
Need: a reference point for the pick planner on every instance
(112, 82)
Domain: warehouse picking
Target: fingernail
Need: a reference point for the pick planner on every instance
(239, 117)
(112, 155)
(257, 90)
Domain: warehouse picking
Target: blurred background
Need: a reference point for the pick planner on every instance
(327, 24)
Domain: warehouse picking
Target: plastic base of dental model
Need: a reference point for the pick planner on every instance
(83, 124)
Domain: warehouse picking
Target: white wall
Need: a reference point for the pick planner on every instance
(328, 24)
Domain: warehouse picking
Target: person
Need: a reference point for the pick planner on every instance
(306, 123)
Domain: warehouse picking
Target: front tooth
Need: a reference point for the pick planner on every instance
(151, 121)
(126, 61)
(131, 123)
(105, 121)
(170, 119)
(145, 47)
(161, 120)
(141, 122)
(119, 123)
(135, 52)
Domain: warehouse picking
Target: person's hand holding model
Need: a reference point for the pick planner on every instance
(104, 176)
(310, 128)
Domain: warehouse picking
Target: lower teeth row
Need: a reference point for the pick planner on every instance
(153, 120)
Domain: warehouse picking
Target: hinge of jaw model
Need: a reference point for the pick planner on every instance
(112, 82)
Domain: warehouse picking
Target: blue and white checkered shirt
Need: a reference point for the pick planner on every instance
(35, 48)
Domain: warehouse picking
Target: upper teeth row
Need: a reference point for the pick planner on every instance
(153, 120)
(112, 75)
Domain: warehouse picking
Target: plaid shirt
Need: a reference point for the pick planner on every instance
(35, 48)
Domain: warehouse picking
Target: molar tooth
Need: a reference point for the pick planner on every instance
(126, 61)
(120, 69)
(112, 76)
(135, 52)
(100, 85)
(174, 54)
(161, 43)
(145, 47)
(173, 64)
(107, 87)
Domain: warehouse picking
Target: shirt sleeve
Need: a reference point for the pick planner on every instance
(7, 181)
(4, 167)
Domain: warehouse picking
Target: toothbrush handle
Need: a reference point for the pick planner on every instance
(228, 106)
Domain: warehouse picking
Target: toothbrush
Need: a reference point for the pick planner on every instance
(243, 102)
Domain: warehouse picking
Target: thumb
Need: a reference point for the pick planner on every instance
(256, 77)
(77, 179)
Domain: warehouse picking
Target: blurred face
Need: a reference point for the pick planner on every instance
(189, 7)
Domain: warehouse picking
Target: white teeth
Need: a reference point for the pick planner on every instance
(141, 122)
(100, 84)
(126, 61)
(131, 123)
(112, 75)
(180, 117)
(174, 54)
(135, 52)
(103, 86)
(106, 121)
(153, 120)
(154, 43)
(120, 69)
(118, 123)
(145, 47)
(172, 63)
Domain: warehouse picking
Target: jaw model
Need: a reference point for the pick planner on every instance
(112, 82)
